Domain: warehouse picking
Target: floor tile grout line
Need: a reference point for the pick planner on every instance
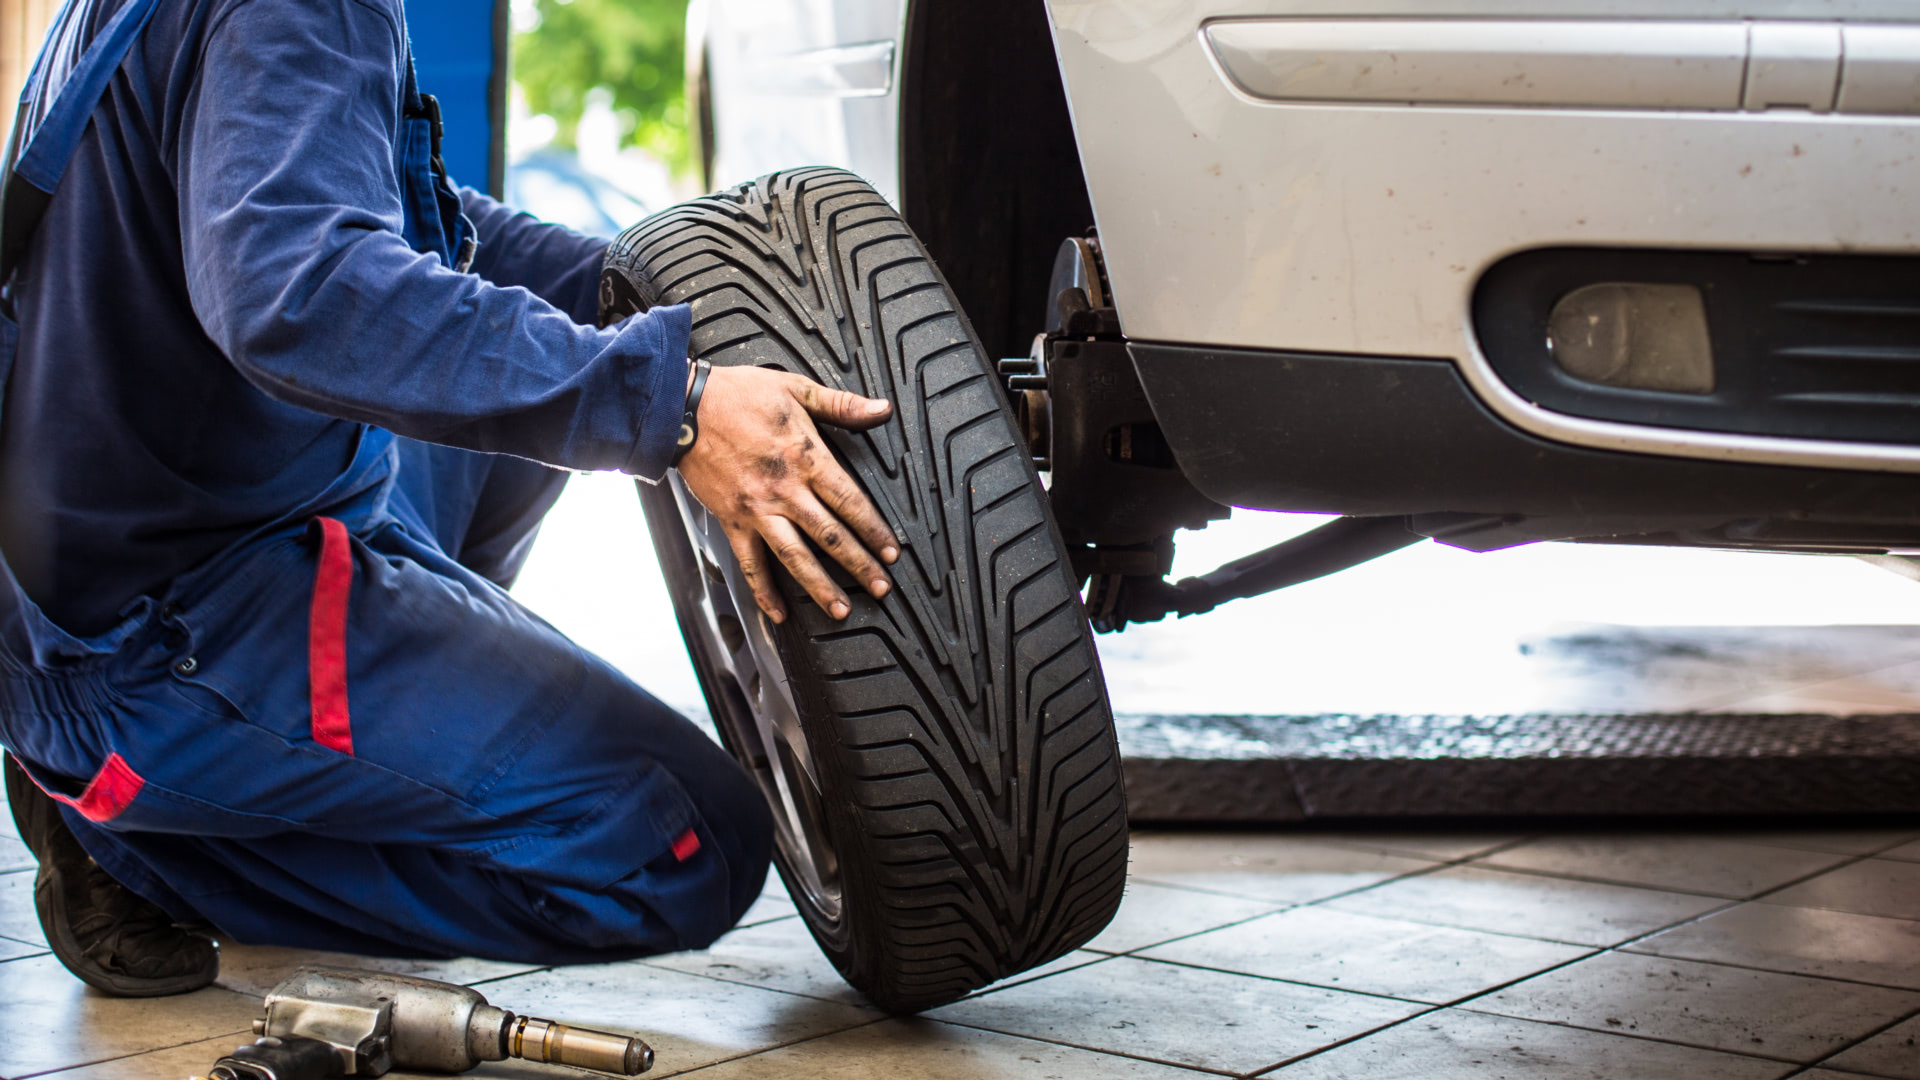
(970, 1027)
(759, 986)
(994, 988)
(1438, 865)
(1282, 908)
(778, 1046)
(1135, 951)
(1093, 1049)
(647, 962)
(1906, 838)
(515, 975)
(1286, 981)
(1462, 1003)
(1424, 871)
(1620, 947)
(1729, 904)
(1638, 1035)
(1421, 872)
(1459, 1002)
(1593, 949)
(244, 1036)
(1874, 1034)
(1406, 853)
(1854, 860)
(1840, 911)
(770, 1049)
(1703, 916)
(1335, 1045)
(1763, 970)
(1465, 1002)
(1559, 876)
(1211, 892)
(1474, 929)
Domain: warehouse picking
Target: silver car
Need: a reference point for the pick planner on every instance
(1483, 271)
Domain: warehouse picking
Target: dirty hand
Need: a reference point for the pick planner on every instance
(762, 469)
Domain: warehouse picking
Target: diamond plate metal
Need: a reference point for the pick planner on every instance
(1293, 768)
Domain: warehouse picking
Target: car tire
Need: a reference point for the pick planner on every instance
(942, 763)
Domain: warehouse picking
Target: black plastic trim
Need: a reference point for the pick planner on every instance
(1376, 436)
(1812, 347)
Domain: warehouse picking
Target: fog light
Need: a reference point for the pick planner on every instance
(1635, 335)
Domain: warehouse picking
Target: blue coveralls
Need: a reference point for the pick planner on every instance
(258, 512)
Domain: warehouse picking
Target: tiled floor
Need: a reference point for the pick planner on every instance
(1692, 955)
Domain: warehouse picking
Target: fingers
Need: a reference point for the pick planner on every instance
(750, 553)
(845, 499)
(764, 462)
(841, 408)
(791, 550)
(832, 536)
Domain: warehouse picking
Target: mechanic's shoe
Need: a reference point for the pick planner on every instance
(109, 937)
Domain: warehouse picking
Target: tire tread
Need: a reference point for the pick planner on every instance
(970, 738)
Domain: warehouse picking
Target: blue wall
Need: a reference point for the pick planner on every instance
(453, 52)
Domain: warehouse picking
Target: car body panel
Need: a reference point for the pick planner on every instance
(1362, 227)
(806, 82)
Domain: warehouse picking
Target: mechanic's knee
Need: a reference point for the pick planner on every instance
(749, 867)
(671, 904)
(742, 831)
(706, 893)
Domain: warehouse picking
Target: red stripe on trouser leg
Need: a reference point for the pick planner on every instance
(109, 793)
(684, 847)
(327, 639)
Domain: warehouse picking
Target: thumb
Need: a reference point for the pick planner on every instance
(842, 408)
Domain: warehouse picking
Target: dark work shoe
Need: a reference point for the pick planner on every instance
(109, 937)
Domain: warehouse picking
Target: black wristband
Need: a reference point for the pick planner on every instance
(690, 420)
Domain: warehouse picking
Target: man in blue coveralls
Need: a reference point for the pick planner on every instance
(275, 439)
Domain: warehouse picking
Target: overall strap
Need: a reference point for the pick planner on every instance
(426, 107)
(38, 153)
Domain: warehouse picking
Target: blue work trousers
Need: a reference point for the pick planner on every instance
(345, 735)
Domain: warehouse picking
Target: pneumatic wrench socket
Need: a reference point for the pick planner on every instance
(371, 1022)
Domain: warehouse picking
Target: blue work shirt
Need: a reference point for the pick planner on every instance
(219, 302)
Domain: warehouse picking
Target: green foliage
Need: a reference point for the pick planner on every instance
(634, 49)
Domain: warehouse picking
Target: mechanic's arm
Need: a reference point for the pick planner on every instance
(291, 230)
(551, 261)
(290, 224)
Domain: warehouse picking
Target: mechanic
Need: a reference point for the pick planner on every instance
(284, 412)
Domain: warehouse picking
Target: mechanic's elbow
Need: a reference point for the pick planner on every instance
(273, 356)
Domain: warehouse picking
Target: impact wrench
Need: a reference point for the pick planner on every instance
(327, 1022)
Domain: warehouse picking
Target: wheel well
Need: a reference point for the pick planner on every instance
(989, 174)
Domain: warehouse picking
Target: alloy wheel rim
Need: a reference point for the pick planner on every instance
(758, 711)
